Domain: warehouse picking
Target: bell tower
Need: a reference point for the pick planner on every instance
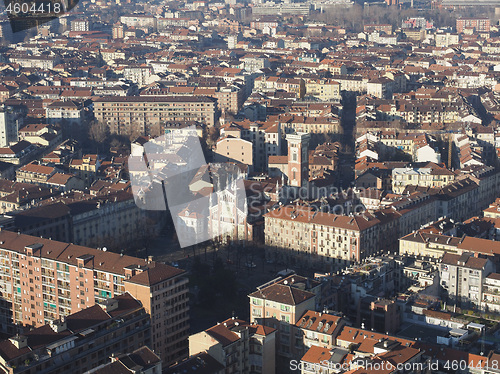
(298, 159)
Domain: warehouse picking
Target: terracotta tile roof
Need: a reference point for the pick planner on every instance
(278, 160)
(399, 355)
(105, 261)
(355, 335)
(316, 318)
(262, 330)
(223, 334)
(316, 355)
(155, 273)
(60, 179)
(306, 214)
(485, 246)
(466, 259)
(37, 169)
(283, 294)
(76, 322)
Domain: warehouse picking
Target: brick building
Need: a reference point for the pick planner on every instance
(479, 24)
(44, 280)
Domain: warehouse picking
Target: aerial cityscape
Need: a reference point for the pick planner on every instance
(250, 187)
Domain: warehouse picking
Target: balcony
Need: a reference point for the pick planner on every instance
(492, 290)
(48, 284)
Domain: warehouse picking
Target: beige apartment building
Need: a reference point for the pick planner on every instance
(280, 305)
(230, 149)
(43, 280)
(323, 89)
(39, 62)
(142, 115)
(239, 346)
(351, 83)
(85, 168)
(264, 137)
(34, 173)
(336, 238)
(493, 211)
(421, 243)
(229, 98)
(333, 66)
(292, 85)
(429, 176)
(312, 125)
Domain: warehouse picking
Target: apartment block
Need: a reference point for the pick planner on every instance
(292, 85)
(430, 175)
(380, 315)
(317, 329)
(80, 25)
(280, 305)
(493, 211)
(311, 124)
(265, 138)
(67, 113)
(478, 24)
(239, 346)
(141, 361)
(337, 238)
(491, 293)
(230, 149)
(138, 21)
(111, 219)
(35, 173)
(9, 126)
(142, 115)
(382, 87)
(323, 89)
(138, 73)
(462, 276)
(85, 168)
(230, 96)
(80, 341)
(40, 62)
(46, 280)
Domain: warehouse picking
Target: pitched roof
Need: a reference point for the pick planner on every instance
(283, 294)
(328, 322)
(155, 273)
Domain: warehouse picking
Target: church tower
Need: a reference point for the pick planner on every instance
(298, 159)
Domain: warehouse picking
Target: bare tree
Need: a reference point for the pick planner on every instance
(98, 131)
